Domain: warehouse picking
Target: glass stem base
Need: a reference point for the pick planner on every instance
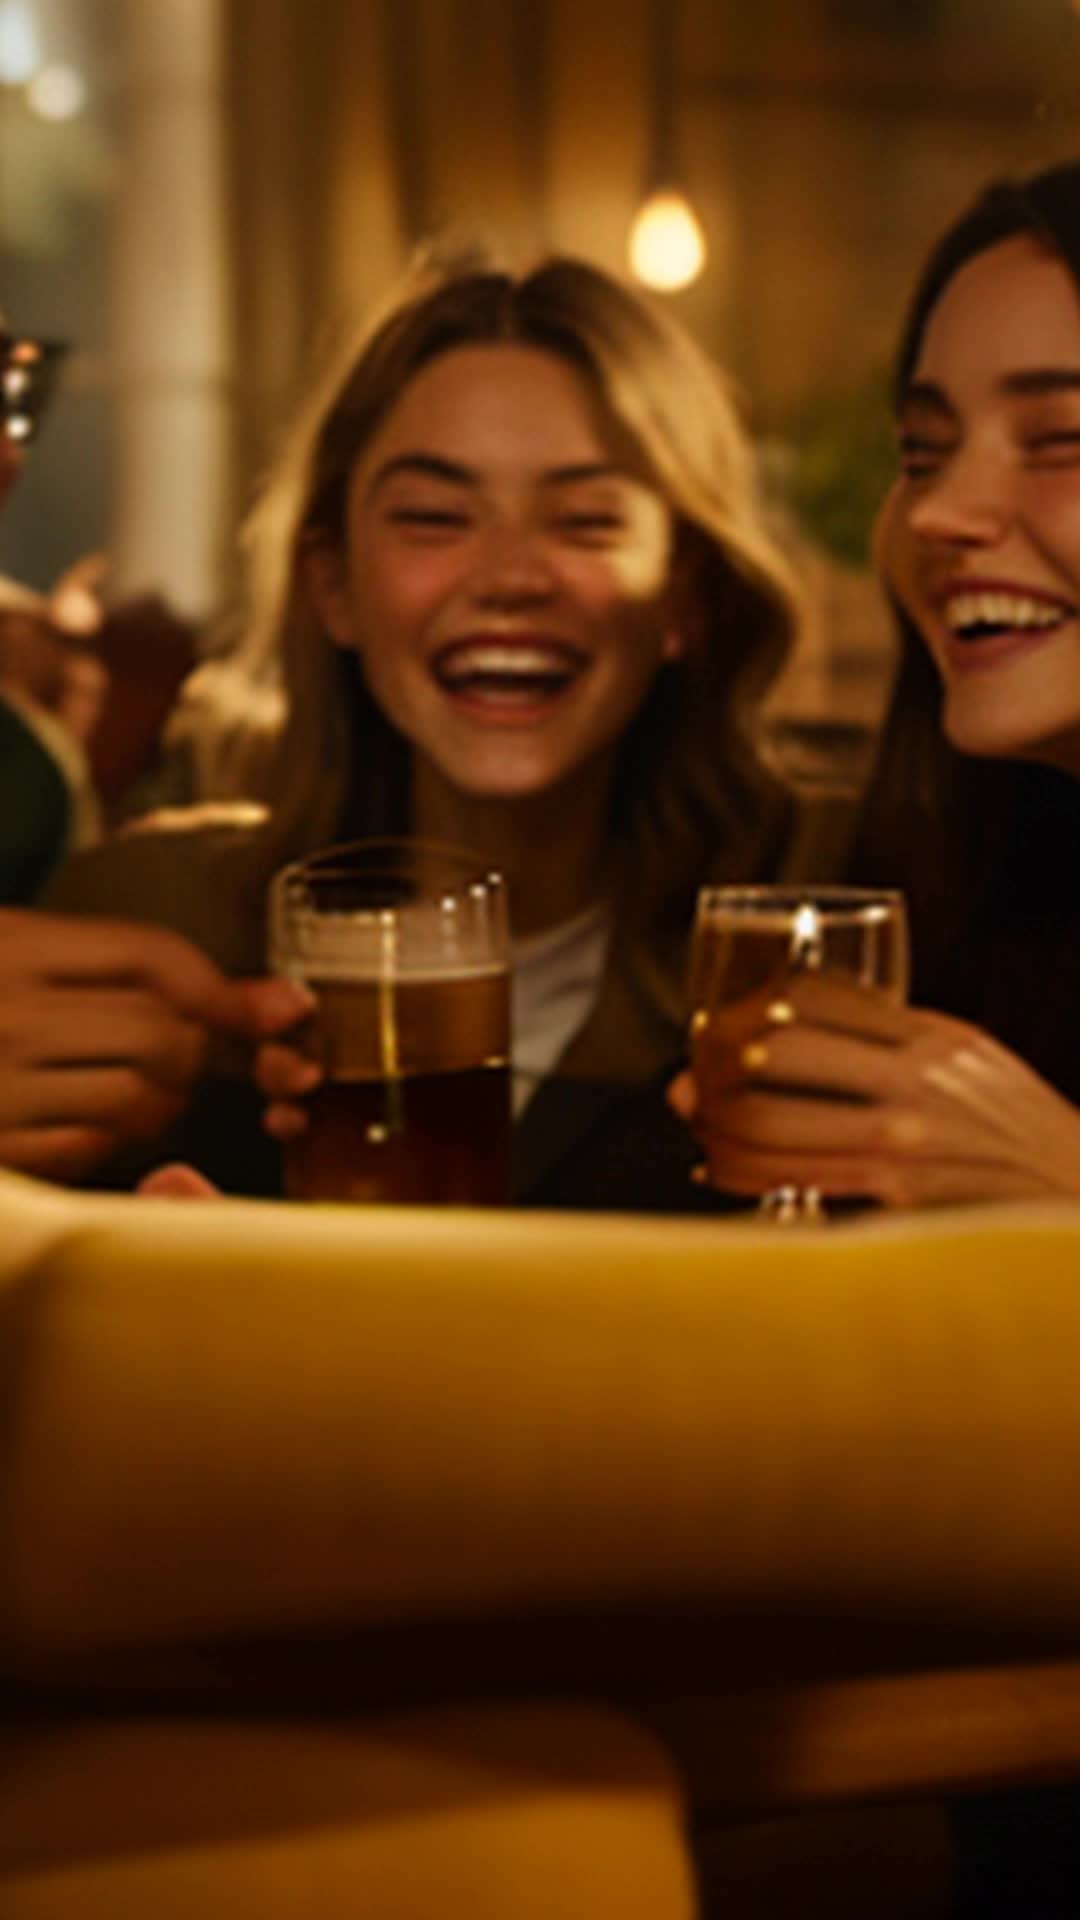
(792, 1206)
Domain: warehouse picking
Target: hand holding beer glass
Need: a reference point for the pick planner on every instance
(405, 947)
(755, 951)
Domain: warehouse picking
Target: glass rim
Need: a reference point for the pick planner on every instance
(335, 911)
(339, 862)
(828, 898)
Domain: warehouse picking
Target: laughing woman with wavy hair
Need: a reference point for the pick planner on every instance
(509, 585)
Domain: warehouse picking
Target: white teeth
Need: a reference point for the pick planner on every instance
(492, 657)
(1002, 609)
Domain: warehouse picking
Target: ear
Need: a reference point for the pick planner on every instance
(322, 570)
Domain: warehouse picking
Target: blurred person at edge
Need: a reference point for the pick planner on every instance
(52, 690)
(974, 805)
(51, 683)
(509, 587)
(103, 1025)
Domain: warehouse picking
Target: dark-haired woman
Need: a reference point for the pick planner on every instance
(974, 809)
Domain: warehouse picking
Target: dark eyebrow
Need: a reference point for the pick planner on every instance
(583, 470)
(928, 396)
(1025, 382)
(430, 465)
(1043, 380)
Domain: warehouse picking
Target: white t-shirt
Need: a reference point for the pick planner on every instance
(554, 977)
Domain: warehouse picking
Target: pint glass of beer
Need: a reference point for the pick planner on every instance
(405, 947)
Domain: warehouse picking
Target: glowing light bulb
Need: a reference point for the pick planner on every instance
(57, 93)
(667, 245)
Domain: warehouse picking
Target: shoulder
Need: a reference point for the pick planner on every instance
(198, 871)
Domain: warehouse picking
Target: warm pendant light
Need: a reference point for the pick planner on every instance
(667, 244)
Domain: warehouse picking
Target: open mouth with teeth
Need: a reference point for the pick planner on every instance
(508, 676)
(995, 615)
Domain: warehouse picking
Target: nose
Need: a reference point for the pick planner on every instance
(966, 503)
(512, 568)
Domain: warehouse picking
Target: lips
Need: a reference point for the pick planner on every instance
(521, 675)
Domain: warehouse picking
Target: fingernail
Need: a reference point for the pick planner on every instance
(283, 1001)
(780, 1013)
(681, 1096)
(754, 1056)
(907, 1131)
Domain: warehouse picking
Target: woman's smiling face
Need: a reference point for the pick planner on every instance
(503, 573)
(980, 537)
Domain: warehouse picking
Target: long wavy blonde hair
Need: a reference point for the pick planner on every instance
(283, 717)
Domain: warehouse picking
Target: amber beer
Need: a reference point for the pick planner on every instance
(744, 945)
(415, 1106)
(405, 949)
(753, 941)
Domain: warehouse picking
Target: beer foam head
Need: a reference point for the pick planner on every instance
(389, 909)
(430, 940)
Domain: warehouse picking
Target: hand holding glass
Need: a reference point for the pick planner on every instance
(752, 942)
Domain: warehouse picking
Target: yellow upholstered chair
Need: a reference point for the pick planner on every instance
(526, 1811)
(803, 1505)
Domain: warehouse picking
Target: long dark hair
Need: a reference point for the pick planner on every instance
(986, 850)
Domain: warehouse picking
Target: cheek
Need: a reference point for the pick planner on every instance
(392, 600)
(627, 582)
(614, 597)
(895, 548)
(1056, 512)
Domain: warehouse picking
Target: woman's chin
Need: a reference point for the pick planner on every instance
(1004, 736)
(504, 779)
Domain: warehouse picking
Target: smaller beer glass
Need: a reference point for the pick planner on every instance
(405, 946)
(750, 940)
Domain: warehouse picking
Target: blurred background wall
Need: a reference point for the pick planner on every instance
(192, 191)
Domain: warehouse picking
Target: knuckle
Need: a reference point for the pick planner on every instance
(268, 1071)
(133, 1105)
(902, 1130)
(127, 1089)
(177, 1042)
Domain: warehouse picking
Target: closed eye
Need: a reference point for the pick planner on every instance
(920, 456)
(1061, 448)
(429, 519)
(591, 528)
